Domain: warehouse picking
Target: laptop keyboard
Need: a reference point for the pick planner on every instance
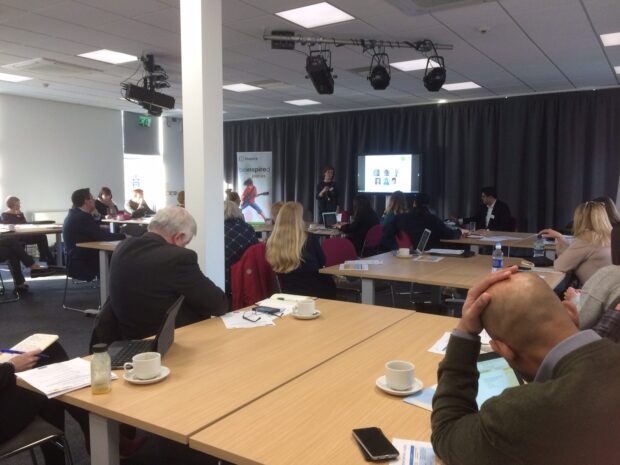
(127, 352)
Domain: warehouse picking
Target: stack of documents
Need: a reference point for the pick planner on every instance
(59, 378)
(34, 342)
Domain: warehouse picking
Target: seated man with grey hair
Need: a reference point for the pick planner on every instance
(149, 273)
(238, 236)
(568, 413)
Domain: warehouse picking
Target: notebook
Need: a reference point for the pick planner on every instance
(495, 376)
(330, 219)
(122, 352)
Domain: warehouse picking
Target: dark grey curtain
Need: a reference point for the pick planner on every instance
(544, 153)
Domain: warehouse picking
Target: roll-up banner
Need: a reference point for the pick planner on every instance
(254, 185)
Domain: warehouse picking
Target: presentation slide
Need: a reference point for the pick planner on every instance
(388, 173)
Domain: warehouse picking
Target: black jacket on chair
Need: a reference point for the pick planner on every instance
(147, 275)
(80, 226)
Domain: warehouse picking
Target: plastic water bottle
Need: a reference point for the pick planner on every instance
(539, 246)
(100, 370)
(497, 259)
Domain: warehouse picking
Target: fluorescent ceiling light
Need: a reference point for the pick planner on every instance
(412, 65)
(240, 87)
(611, 39)
(319, 14)
(617, 68)
(13, 77)
(442, 100)
(109, 56)
(461, 86)
(302, 102)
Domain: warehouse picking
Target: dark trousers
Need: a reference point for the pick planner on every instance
(13, 251)
(20, 406)
(40, 240)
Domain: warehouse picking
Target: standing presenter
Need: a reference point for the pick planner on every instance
(327, 192)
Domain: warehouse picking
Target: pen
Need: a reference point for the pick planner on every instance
(19, 352)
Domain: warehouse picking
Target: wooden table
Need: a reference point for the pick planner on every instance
(312, 228)
(25, 229)
(216, 371)
(456, 272)
(521, 240)
(310, 419)
(105, 248)
(138, 221)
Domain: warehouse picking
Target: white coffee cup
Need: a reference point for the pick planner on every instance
(403, 252)
(399, 375)
(144, 366)
(305, 307)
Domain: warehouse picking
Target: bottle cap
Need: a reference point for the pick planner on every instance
(498, 245)
(97, 348)
(539, 236)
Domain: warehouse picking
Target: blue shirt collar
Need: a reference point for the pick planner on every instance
(565, 347)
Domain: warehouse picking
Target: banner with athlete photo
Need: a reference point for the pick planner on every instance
(254, 185)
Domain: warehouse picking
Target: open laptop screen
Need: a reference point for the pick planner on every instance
(330, 219)
(423, 240)
(165, 336)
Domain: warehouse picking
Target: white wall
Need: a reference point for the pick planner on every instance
(173, 157)
(49, 149)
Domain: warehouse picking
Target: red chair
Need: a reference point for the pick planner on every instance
(251, 278)
(372, 242)
(337, 250)
(403, 241)
(346, 216)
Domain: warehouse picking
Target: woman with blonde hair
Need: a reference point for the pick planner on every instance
(296, 256)
(590, 250)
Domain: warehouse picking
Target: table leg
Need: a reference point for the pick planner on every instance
(104, 275)
(368, 291)
(103, 441)
(58, 249)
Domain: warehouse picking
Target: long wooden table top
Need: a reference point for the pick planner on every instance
(108, 246)
(144, 221)
(32, 229)
(310, 419)
(216, 371)
(451, 271)
(312, 228)
(521, 239)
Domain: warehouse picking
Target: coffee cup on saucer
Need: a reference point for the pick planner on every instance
(305, 307)
(399, 375)
(403, 252)
(146, 365)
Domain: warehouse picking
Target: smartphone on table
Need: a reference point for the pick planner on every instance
(375, 446)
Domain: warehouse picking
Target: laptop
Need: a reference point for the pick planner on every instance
(422, 242)
(122, 352)
(329, 220)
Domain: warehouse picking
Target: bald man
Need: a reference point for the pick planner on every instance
(569, 412)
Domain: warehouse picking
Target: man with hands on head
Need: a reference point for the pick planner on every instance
(569, 413)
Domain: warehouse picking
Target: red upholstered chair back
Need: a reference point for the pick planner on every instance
(338, 250)
(346, 216)
(372, 242)
(403, 241)
(252, 278)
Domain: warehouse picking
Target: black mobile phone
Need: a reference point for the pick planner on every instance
(268, 310)
(375, 446)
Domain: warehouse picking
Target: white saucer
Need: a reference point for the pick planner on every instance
(381, 384)
(316, 314)
(404, 256)
(163, 374)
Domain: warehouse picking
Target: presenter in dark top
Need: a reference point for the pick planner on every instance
(494, 214)
(327, 192)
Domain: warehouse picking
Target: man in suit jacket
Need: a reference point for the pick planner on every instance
(149, 273)
(81, 226)
(494, 214)
(568, 413)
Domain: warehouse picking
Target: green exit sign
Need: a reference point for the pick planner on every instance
(144, 121)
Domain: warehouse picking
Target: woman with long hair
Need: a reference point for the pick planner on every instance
(590, 250)
(397, 205)
(364, 218)
(296, 256)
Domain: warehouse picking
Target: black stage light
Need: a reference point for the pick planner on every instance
(379, 75)
(320, 73)
(435, 78)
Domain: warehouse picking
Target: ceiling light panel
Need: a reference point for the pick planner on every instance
(412, 65)
(109, 56)
(609, 40)
(617, 68)
(302, 102)
(319, 14)
(13, 77)
(240, 87)
(461, 86)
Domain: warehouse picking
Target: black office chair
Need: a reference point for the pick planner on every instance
(38, 432)
(79, 279)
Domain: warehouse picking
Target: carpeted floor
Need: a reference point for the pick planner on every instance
(40, 311)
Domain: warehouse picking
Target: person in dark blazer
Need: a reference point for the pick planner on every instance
(494, 214)
(81, 226)
(364, 218)
(327, 192)
(149, 273)
(415, 221)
